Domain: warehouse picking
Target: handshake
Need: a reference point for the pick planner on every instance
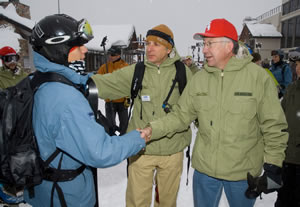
(145, 133)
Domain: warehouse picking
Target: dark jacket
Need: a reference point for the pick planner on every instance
(291, 107)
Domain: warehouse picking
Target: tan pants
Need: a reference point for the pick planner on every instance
(140, 179)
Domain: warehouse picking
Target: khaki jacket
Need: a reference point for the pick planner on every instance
(241, 122)
(156, 85)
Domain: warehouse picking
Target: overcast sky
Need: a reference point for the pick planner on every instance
(184, 17)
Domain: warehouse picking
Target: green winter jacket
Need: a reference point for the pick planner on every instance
(8, 78)
(241, 122)
(147, 107)
(291, 106)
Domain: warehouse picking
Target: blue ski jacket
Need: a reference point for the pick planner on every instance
(63, 118)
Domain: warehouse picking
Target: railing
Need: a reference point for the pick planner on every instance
(270, 13)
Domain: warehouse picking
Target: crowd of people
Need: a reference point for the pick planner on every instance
(248, 115)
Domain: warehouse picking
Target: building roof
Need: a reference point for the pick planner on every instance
(119, 35)
(263, 30)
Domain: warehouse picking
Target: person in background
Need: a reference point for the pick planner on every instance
(118, 106)
(11, 72)
(188, 61)
(164, 156)
(281, 71)
(257, 60)
(242, 128)
(288, 195)
(64, 121)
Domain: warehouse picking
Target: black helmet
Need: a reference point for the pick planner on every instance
(114, 51)
(279, 52)
(55, 35)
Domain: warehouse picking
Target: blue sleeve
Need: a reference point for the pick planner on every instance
(288, 76)
(84, 139)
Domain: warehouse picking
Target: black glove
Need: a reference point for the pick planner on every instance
(269, 182)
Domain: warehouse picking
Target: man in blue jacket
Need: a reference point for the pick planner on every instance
(63, 118)
(281, 71)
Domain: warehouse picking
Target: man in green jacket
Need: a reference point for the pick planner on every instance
(242, 127)
(163, 156)
(10, 73)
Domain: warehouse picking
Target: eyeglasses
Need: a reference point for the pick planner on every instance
(10, 58)
(209, 44)
(85, 30)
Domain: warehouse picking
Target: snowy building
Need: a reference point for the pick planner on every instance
(286, 20)
(261, 38)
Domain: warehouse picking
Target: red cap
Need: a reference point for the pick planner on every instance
(218, 28)
(7, 51)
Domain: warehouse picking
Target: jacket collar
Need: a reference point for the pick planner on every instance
(42, 64)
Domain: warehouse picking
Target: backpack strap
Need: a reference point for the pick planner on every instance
(39, 78)
(180, 77)
(136, 84)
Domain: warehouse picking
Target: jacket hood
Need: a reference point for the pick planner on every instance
(173, 56)
(42, 64)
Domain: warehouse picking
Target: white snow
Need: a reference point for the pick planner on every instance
(263, 30)
(10, 12)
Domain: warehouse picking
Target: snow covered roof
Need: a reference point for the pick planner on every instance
(116, 34)
(10, 13)
(263, 30)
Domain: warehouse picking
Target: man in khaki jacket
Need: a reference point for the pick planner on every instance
(10, 73)
(163, 156)
(242, 127)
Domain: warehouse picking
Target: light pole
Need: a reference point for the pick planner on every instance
(58, 6)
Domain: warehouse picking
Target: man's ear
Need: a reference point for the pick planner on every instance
(168, 51)
(229, 46)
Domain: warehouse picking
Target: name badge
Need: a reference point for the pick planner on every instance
(145, 98)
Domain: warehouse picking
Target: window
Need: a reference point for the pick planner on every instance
(291, 32)
(284, 34)
(285, 8)
(297, 35)
(294, 5)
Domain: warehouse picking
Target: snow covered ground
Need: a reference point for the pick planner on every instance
(112, 186)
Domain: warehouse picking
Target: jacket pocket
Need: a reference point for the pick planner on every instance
(240, 118)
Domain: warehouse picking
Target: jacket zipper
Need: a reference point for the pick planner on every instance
(220, 118)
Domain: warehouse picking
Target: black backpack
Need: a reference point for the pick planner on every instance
(20, 162)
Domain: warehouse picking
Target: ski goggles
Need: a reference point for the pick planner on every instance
(85, 30)
(10, 58)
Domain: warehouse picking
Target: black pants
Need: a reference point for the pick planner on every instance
(289, 194)
(111, 109)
